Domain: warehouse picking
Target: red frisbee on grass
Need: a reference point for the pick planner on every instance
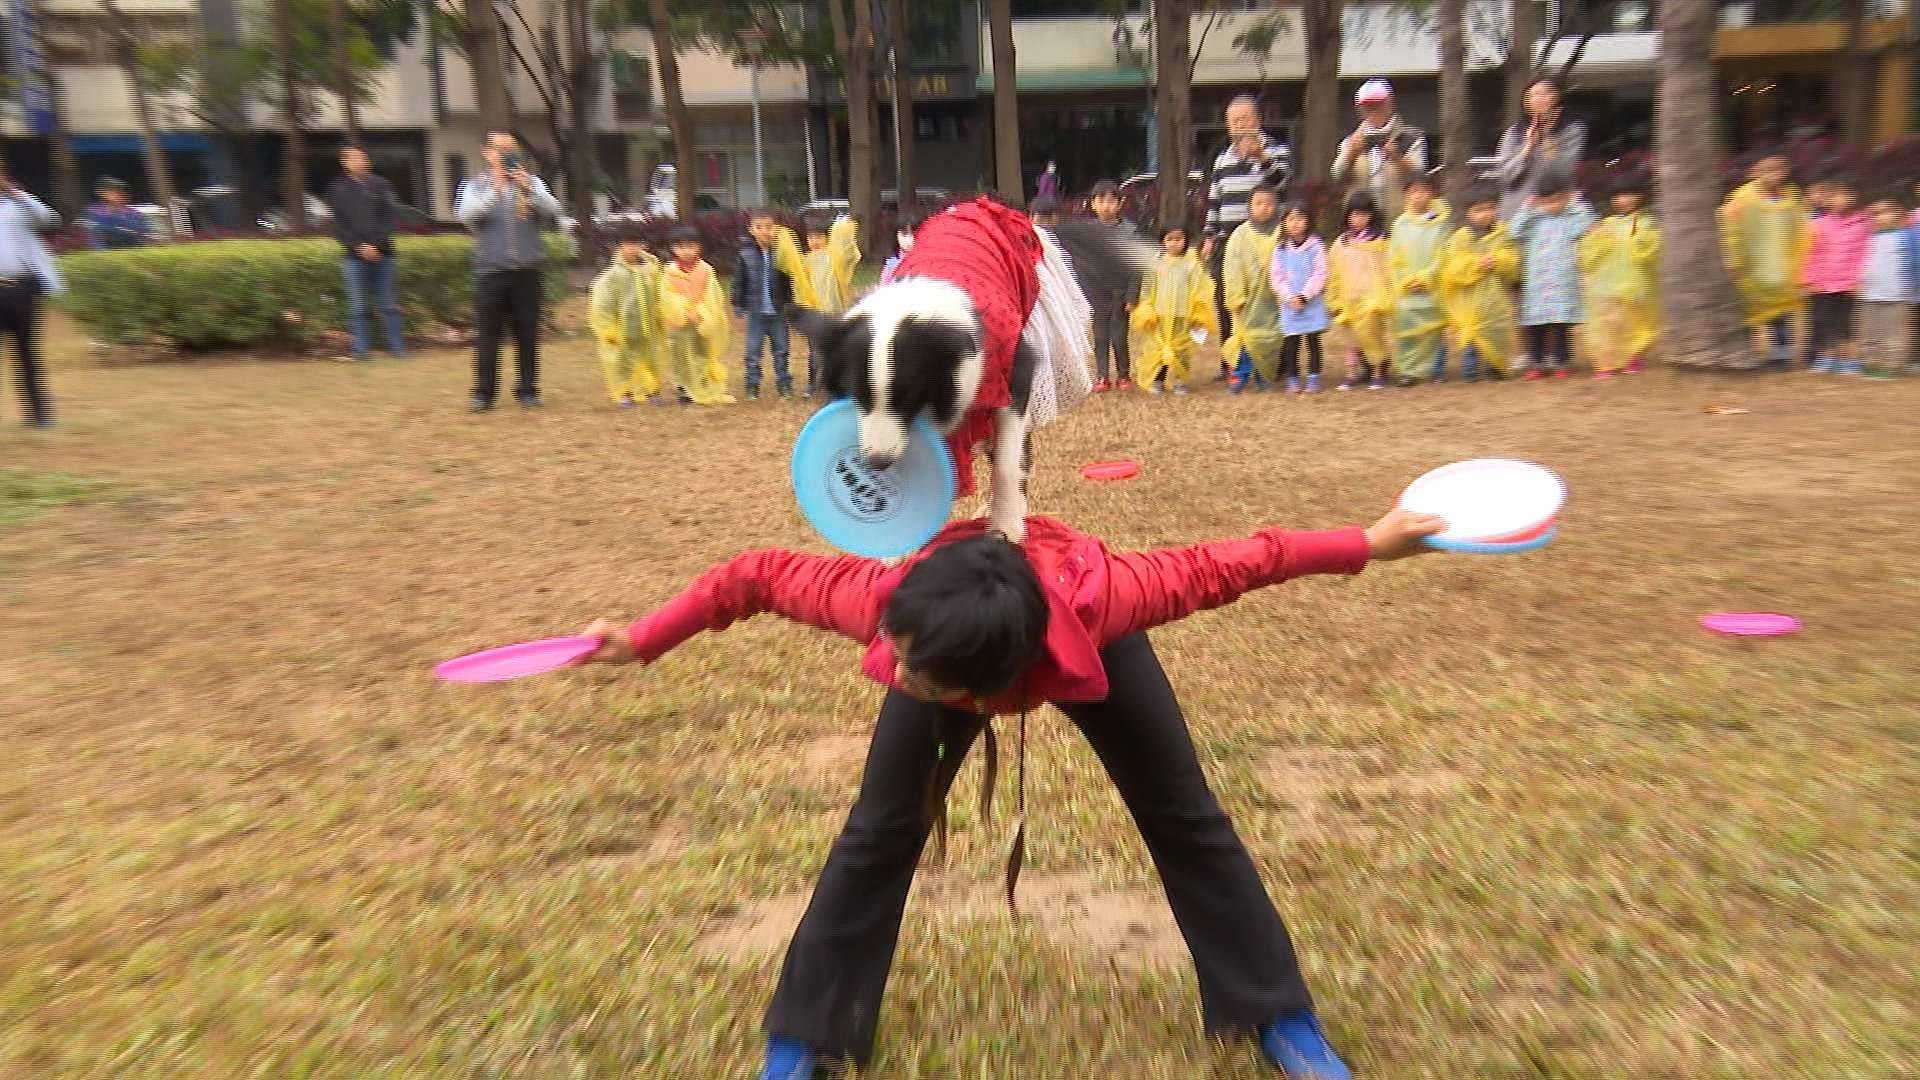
(1750, 623)
(1122, 469)
(518, 661)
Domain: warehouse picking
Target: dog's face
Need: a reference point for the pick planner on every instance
(911, 348)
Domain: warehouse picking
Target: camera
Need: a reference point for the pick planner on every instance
(510, 160)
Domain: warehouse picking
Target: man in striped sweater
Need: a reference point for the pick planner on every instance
(1251, 160)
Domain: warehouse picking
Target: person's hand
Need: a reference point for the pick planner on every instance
(1356, 143)
(1416, 285)
(1206, 249)
(1398, 535)
(369, 253)
(1297, 303)
(1486, 262)
(7, 189)
(521, 179)
(615, 646)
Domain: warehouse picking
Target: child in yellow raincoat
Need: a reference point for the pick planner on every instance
(833, 253)
(1477, 275)
(693, 312)
(1413, 262)
(1764, 234)
(624, 313)
(1176, 303)
(1621, 260)
(1256, 337)
(1360, 295)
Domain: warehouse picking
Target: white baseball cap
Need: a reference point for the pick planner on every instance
(1373, 91)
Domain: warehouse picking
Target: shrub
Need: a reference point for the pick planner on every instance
(251, 293)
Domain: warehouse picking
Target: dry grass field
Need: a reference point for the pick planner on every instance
(1525, 818)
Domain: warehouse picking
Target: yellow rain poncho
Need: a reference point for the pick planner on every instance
(1620, 258)
(624, 312)
(1176, 298)
(1477, 275)
(1765, 242)
(1249, 288)
(693, 311)
(1360, 297)
(830, 270)
(1413, 262)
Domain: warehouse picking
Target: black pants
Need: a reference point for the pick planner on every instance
(1290, 355)
(1830, 321)
(1110, 335)
(1551, 345)
(20, 320)
(836, 968)
(1217, 267)
(502, 298)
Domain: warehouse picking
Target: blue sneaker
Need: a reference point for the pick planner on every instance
(1849, 367)
(1823, 365)
(788, 1059)
(1313, 384)
(1293, 385)
(1296, 1043)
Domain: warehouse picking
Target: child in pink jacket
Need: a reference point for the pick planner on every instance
(1836, 261)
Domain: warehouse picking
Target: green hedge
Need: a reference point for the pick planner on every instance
(249, 293)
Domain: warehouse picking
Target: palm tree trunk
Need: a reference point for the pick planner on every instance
(679, 121)
(1698, 307)
(1006, 104)
(1454, 140)
(69, 191)
(1320, 133)
(293, 169)
(906, 178)
(342, 73)
(159, 174)
(487, 60)
(1173, 95)
(1521, 50)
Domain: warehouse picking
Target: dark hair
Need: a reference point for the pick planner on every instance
(1172, 227)
(1263, 189)
(761, 213)
(971, 615)
(1420, 180)
(683, 234)
(1553, 181)
(350, 145)
(816, 227)
(107, 183)
(1297, 207)
(1633, 182)
(1104, 187)
(1480, 194)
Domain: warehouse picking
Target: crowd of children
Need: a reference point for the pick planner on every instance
(1820, 279)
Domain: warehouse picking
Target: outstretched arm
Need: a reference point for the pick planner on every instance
(835, 593)
(1152, 588)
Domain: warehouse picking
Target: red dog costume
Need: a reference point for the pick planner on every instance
(991, 253)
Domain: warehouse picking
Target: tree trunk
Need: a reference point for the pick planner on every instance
(1173, 97)
(1006, 104)
(1853, 82)
(1698, 307)
(69, 191)
(863, 195)
(293, 168)
(906, 175)
(679, 121)
(1455, 142)
(487, 60)
(342, 72)
(159, 174)
(1521, 52)
(583, 86)
(1320, 130)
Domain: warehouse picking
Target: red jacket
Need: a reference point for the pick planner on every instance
(992, 253)
(1096, 597)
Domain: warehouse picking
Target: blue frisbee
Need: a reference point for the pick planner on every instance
(878, 513)
(1465, 547)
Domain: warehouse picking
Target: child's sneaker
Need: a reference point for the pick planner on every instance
(687, 399)
(1313, 384)
(1849, 367)
(1260, 383)
(1102, 386)
(1293, 385)
(1561, 373)
(1602, 375)
(1345, 384)
(1153, 388)
(1298, 1045)
(1533, 374)
(788, 1059)
(1235, 385)
(1379, 383)
(1823, 365)
(1180, 390)
(1635, 366)
(656, 400)
(1123, 384)
(626, 401)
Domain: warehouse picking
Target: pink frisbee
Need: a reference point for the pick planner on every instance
(1111, 470)
(1750, 623)
(518, 661)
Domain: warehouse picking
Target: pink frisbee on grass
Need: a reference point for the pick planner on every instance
(1750, 623)
(518, 661)
(1121, 469)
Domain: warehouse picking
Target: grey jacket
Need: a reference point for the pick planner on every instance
(1519, 171)
(503, 239)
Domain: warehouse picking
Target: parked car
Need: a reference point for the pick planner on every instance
(661, 199)
(929, 198)
(1140, 198)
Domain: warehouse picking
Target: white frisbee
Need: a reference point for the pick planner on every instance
(1488, 500)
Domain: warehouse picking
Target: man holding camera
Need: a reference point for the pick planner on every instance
(506, 207)
(1382, 153)
(27, 274)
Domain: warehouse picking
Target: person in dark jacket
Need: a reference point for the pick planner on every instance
(1111, 299)
(761, 291)
(110, 223)
(363, 211)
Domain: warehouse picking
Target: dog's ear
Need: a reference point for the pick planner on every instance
(820, 328)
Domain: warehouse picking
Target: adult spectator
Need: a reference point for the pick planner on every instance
(26, 274)
(1545, 142)
(506, 207)
(1383, 152)
(1243, 165)
(110, 223)
(364, 209)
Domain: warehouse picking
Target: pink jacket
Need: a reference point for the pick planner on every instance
(1837, 259)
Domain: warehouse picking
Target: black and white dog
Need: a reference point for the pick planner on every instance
(956, 323)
